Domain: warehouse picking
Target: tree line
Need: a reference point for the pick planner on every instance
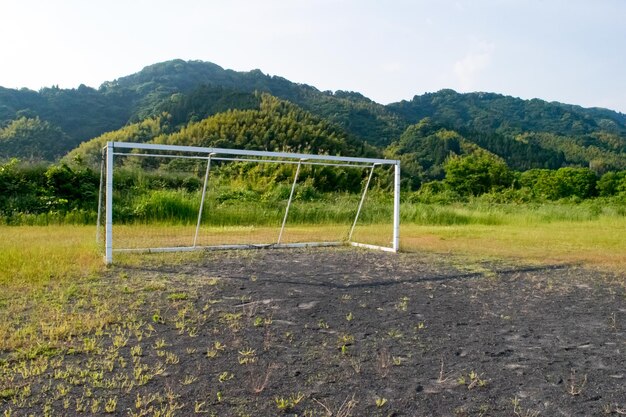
(70, 192)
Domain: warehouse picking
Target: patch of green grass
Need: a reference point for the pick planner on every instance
(178, 296)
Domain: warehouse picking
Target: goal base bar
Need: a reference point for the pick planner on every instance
(374, 247)
(252, 246)
(230, 247)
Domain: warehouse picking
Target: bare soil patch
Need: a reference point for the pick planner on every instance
(342, 332)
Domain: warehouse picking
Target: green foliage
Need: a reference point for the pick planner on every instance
(612, 183)
(422, 150)
(526, 134)
(605, 151)
(206, 101)
(80, 114)
(489, 112)
(166, 205)
(33, 139)
(562, 183)
(90, 152)
(477, 173)
(55, 189)
(452, 145)
(276, 125)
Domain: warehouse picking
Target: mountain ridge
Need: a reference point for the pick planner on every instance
(551, 134)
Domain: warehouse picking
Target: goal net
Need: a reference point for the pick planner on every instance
(167, 198)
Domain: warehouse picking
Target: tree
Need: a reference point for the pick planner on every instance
(611, 183)
(477, 173)
(32, 139)
(562, 183)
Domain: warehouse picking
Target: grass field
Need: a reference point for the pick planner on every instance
(42, 267)
(57, 299)
(589, 235)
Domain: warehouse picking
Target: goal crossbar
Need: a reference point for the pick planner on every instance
(208, 154)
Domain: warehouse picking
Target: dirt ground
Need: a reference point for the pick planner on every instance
(344, 332)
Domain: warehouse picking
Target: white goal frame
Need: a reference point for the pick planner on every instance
(221, 154)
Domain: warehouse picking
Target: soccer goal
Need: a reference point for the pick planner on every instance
(168, 198)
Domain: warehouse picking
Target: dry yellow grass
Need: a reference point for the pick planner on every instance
(42, 254)
(39, 255)
(597, 243)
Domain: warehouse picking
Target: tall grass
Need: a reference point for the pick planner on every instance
(245, 207)
(477, 212)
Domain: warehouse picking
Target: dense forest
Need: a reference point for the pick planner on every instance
(450, 144)
(552, 134)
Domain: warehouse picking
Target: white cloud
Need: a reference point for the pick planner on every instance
(475, 61)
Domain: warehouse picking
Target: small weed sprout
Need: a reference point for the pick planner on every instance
(198, 408)
(160, 344)
(81, 405)
(472, 380)
(111, 405)
(171, 358)
(215, 350)
(247, 356)
(136, 351)
(380, 402)
(189, 379)
(289, 403)
(395, 334)
(157, 318)
(403, 304)
(89, 344)
(225, 376)
(95, 406)
(177, 296)
(519, 412)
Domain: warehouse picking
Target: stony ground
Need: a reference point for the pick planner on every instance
(341, 333)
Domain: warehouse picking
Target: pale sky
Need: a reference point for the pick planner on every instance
(573, 51)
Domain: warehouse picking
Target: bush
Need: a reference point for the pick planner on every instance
(567, 182)
(477, 173)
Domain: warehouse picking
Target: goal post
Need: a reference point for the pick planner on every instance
(208, 155)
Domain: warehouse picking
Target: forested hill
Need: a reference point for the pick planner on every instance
(490, 112)
(357, 114)
(525, 133)
(271, 125)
